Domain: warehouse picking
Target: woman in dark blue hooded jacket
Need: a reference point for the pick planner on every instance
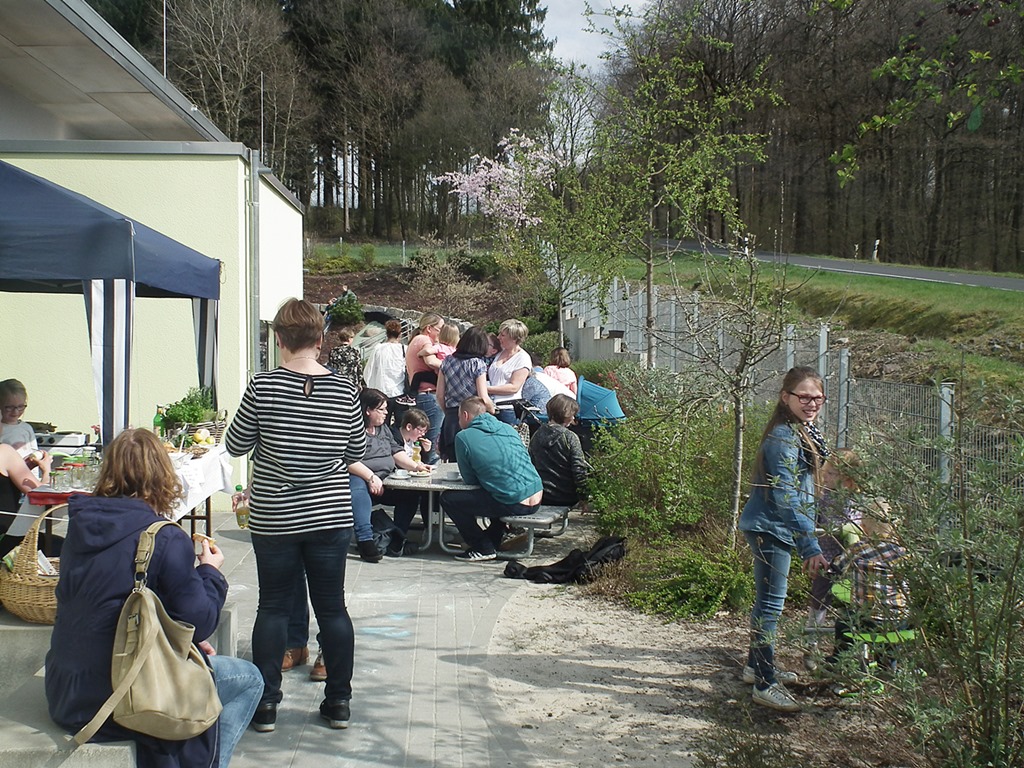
(136, 487)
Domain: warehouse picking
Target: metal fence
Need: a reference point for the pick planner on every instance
(688, 334)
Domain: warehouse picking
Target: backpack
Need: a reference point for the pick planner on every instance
(163, 686)
(578, 567)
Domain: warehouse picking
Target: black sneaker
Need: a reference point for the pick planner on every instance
(368, 551)
(473, 556)
(264, 719)
(336, 714)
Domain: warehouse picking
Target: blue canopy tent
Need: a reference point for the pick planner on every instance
(53, 240)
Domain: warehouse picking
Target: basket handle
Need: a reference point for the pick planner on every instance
(27, 560)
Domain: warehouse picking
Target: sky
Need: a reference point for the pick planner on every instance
(566, 22)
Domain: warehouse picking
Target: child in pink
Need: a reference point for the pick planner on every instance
(447, 340)
(558, 368)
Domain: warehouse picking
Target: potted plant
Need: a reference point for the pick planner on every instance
(195, 413)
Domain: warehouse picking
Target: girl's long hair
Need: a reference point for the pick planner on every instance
(136, 464)
(783, 415)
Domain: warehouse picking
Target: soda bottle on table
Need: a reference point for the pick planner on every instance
(416, 451)
(159, 423)
(241, 507)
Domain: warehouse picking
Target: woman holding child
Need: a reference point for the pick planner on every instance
(421, 367)
(778, 516)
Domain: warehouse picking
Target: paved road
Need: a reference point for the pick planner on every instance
(876, 269)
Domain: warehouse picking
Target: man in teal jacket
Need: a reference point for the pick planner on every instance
(492, 455)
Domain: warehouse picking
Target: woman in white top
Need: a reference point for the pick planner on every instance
(510, 369)
(385, 370)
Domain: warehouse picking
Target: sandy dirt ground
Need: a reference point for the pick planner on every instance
(595, 684)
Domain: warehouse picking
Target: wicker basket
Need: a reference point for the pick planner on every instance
(216, 427)
(25, 592)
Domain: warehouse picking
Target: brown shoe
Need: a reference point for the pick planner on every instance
(294, 657)
(319, 672)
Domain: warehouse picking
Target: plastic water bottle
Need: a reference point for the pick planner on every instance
(241, 508)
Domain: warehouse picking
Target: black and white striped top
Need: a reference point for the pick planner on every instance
(303, 432)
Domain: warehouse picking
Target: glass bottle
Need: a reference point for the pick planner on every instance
(159, 422)
(241, 507)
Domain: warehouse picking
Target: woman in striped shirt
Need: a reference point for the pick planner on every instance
(302, 425)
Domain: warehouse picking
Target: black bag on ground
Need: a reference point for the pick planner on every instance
(386, 535)
(575, 568)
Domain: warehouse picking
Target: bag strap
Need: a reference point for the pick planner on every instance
(143, 554)
(145, 647)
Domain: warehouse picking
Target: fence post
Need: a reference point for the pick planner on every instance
(695, 326)
(843, 385)
(822, 364)
(639, 346)
(946, 393)
(652, 333)
(790, 346)
(673, 325)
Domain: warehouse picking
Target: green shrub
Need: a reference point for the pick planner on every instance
(480, 264)
(540, 345)
(688, 583)
(657, 473)
(326, 260)
(594, 370)
(367, 256)
(346, 311)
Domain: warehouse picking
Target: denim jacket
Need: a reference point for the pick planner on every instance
(783, 506)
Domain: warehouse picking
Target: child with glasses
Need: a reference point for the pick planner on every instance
(779, 516)
(13, 431)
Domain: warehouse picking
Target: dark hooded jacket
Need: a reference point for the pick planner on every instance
(97, 573)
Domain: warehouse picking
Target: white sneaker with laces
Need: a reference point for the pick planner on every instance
(776, 697)
(473, 556)
(781, 676)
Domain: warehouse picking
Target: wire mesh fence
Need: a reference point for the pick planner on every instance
(689, 335)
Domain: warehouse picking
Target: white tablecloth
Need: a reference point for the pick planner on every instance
(203, 477)
(200, 479)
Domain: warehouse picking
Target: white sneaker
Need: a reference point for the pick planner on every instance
(776, 697)
(781, 676)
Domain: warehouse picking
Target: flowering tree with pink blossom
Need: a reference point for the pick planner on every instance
(535, 205)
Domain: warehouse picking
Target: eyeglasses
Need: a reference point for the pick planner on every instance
(14, 408)
(809, 399)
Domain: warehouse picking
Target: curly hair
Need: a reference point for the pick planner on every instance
(136, 464)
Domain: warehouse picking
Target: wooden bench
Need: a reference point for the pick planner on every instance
(546, 521)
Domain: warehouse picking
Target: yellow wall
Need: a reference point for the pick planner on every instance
(199, 200)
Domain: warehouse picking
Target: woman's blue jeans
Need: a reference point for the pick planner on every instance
(427, 402)
(239, 687)
(280, 561)
(771, 579)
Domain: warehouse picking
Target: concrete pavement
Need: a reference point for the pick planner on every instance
(421, 695)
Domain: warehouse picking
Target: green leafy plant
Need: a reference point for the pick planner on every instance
(346, 311)
(682, 582)
(194, 407)
(367, 256)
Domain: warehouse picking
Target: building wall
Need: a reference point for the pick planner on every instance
(200, 200)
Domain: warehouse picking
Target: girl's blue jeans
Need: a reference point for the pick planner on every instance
(772, 559)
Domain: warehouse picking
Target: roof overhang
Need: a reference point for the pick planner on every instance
(62, 58)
